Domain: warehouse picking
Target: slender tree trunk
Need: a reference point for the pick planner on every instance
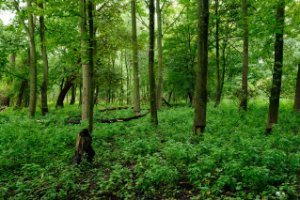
(160, 55)
(127, 80)
(277, 72)
(80, 94)
(136, 89)
(73, 96)
(244, 96)
(33, 64)
(91, 54)
(153, 108)
(297, 92)
(45, 63)
(201, 72)
(21, 93)
(87, 48)
(61, 97)
(218, 89)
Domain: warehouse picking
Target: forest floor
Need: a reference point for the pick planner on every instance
(234, 159)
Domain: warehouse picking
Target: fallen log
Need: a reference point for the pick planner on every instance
(114, 108)
(125, 119)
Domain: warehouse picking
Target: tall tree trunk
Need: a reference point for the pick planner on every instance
(201, 72)
(45, 63)
(160, 54)
(127, 80)
(136, 87)
(277, 72)
(297, 92)
(73, 96)
(61, 97)
(33, 64)
(91, 54)
(21, 93)
(153, 108)
(87, 49)
(80, 94)
(218, 88)
(244, 95)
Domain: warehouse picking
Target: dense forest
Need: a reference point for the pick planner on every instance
(149, 99)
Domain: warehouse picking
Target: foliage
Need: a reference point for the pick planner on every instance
(234, 159)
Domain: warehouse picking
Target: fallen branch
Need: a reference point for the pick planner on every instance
(121, 119)
(166, 102)
(114, 108)
(125, 119)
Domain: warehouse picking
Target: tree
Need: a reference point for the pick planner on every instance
(87, 48)
(218, 88)
(244, 96)
(160, 54)
(136, 84)
(201, 70)
(297, 92)
(33, 63)
(44, 88)
(277, 71)
(153, 108)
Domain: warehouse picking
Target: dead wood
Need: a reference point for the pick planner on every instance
(114, 108)
(125, 119)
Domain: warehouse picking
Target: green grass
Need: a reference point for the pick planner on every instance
(233, 160)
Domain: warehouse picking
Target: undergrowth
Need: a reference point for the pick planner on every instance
(234, 159)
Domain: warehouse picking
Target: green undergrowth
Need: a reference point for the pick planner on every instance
(233, 160)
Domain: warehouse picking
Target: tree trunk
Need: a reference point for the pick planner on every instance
(297, 92)
(45, 63)
(91, 54)
(21, 93)
(201, 70)
(61, 97)
(153, 108)
(244, 95)
(160, 54)
(33, 64)
(87, 48)
(218, 89)
(80, 94)
(277, 72)
(73, 96)
(127, 79)
(136, 87)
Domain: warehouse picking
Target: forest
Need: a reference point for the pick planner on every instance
(150, 99)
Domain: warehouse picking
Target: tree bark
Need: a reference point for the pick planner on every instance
(91, 54)
(73, 96)
(21, 93)
(33, 64)
(218, 88)
(201, 70)
(153, 108)
(160, 54)
(244, 95)
(45, 63)
(277, 72)
(297, 92)
(87, 48)
(127, 80)
(136, 87)
(61, 97)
